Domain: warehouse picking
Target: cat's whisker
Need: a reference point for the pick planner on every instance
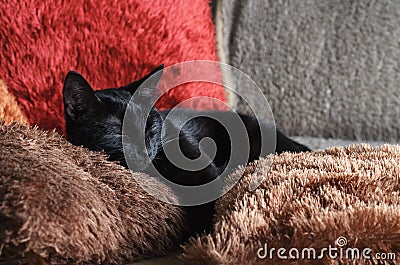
(163, 141)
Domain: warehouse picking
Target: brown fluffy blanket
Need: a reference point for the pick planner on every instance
(64, 204)
(309, 200)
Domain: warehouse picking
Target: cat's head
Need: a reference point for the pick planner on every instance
(94, 118)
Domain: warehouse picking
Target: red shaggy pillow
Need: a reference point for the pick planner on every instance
(110, 42)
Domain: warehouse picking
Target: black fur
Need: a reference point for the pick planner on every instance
(94, 119)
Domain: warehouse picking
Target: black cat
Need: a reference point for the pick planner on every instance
(94, 119)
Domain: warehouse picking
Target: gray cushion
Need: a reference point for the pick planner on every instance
(316, 143)
(328, 68)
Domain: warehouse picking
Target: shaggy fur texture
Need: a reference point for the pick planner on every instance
(9, 109)
(64, 204)
(308, 200)
(110, 42)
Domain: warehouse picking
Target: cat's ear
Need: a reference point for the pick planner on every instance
(79, 97)
(149, 82)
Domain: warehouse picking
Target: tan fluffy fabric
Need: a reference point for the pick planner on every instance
(308, 200)
(64, 204)
(9, 109)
